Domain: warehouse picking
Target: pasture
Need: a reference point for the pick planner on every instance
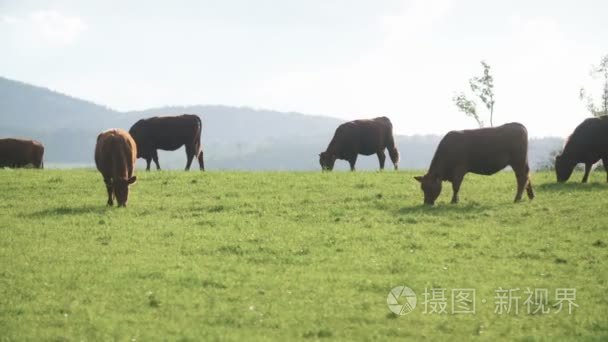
(285, 256)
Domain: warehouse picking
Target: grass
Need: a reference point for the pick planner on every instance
(285, 256)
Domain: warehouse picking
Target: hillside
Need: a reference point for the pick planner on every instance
(238, 138)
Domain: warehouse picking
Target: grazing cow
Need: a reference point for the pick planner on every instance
(364, 137)
(168, 133)
(588, 144)
(482, 151)
(115, 156)
(20, 153)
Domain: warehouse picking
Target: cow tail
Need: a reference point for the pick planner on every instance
(197, 143)
(392, 148)
(390, 144)
(197, 135)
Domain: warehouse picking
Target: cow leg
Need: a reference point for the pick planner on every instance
(189, 156)
(587, 171)
(529, 189)
(148, 160)
(381, 159)
(108, 183)
(456, 182)
(201, 163)
(522, 174)
(605, 162)
(352, 162)
(155, 158)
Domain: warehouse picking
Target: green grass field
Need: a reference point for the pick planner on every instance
(284, 256)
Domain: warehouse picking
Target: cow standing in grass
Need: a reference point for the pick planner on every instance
(482, 151)
(588, 144)
(115, 156)
(168, 133)
(364, 137)
(20, 153)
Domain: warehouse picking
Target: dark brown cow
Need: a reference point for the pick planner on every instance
(364, 137)
(482, 151)
(20, 153)
(588, 144)
(168, 133)
(115, 156)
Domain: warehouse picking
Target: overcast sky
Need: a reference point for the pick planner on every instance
(351, 59)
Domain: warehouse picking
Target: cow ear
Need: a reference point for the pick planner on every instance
(419, 178)
(132, 180)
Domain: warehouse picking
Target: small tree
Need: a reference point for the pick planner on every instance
(468, 107)
(600, 70)
(482, 87)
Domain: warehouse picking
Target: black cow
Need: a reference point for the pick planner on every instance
(483, 151)
(364, 137)
(588, 144)
(168, 133)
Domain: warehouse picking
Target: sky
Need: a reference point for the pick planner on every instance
(351, 59)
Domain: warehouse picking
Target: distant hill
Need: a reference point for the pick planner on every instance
(237, 138)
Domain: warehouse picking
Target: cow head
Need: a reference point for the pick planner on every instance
(121, 190)
(327, 161)
(563, 168)
(431, 186)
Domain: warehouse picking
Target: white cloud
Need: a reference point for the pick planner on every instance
(540, 72)
(56, 27)
(413, 73)
(7, 19)
(394, 79)
(48, 26)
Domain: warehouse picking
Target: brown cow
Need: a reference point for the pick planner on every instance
(482, 151)
(115, 156)
(364, 137)
(588, 144)
(169, 133)
(20, 153)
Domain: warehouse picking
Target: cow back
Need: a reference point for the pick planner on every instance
(589, 139)
(364, 137)
(21, 152)
(167, 132)
(483, 151)
(115, 154)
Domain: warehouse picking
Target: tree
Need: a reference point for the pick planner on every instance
(468, 107)
(482, 87)
(600, 70)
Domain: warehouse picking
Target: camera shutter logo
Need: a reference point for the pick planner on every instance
(401, 300)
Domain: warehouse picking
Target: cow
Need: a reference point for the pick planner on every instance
(364, 137)
(115, 156)
(483, 151)
(168, 133)
(20, 153)
(588, 144)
